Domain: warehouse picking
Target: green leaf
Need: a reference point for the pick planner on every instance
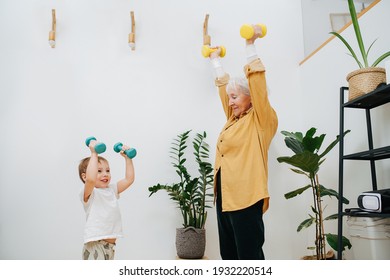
(296, 192)
(321, 161)
(310, 133)
(382, 57)
(306, 161)
(356, 28)
(348, 47)
(330, 192)
(369, 48)
(332, 217)
(334, 143)
(333, 241)
(311, 143)
(296, 135)
(294, 145)
(314, 210)
(305, 224)
(299, 172)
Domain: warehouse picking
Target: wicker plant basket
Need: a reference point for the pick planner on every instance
(365, 80)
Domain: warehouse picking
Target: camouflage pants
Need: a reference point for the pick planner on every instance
(98, 250)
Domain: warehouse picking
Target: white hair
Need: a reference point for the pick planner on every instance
(238, 84)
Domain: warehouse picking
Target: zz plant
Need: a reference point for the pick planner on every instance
(306, 161)
(190, 193)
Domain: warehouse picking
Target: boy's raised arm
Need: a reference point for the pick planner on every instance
(91, 172)
(129, 172)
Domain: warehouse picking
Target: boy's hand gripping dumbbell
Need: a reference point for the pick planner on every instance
(99, 146)
(130, 153)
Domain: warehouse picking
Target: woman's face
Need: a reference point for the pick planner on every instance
(239, 102)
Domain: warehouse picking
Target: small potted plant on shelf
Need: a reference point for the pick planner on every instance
(368, 76)
(191, 194)
(306, 161)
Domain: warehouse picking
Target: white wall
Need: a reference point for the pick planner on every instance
(322, 77)
(93, 84)
(316, 19)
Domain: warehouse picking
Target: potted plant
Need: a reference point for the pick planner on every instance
(368, 76)
(191, 194)
(306, 161)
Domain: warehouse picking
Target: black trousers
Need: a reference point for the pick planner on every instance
(241, 232)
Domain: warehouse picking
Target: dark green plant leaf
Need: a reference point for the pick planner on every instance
(334, 143)
(296, 135)
(331, 217)
(312, 144)
(330, 192)
(305, 224)
(294, 145)
(310, 133)
(299, 172)
(306, 161)
(296, 192)
(321, 161)
(333, 242)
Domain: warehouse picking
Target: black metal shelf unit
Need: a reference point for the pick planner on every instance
(376, 98)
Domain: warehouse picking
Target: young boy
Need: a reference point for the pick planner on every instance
(100, 200)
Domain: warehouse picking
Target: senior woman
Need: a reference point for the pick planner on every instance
(241, 164)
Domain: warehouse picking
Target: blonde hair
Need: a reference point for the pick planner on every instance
(84, 164)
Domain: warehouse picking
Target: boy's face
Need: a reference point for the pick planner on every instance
(104, 175)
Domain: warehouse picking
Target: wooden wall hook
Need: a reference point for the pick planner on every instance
(132, 34)
(52, 33)
(206, 37)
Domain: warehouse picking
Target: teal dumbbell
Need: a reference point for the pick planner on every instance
(99, 147)
(131, 153)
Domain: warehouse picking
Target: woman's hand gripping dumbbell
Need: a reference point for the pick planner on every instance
(129, 152)
(207, 50)
(99, 147)
(247, 31)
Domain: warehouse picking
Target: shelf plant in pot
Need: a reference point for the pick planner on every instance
(369, 76)
(306, 161)
(191, 194)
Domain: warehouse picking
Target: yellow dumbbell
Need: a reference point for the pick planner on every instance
(247, 31)
(206, 50)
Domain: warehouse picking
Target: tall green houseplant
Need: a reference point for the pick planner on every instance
(363, 61)
(191, 193)
(306, 161)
